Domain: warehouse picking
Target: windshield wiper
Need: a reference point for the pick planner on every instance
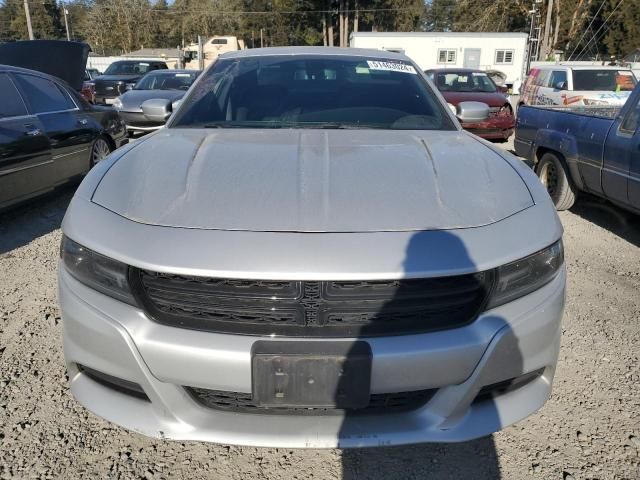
(275, 124)
(232, 124)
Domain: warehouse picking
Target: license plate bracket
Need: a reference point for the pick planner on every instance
(311, 374)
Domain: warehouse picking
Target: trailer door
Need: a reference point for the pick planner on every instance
(471, 58)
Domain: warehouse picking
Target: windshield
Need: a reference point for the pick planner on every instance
(312, 91)
(604, 80)
(166, 81)
(464, 82)
(128, 68)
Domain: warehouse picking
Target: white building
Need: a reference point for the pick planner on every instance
(505, 52)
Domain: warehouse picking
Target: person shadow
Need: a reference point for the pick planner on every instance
(451, 405)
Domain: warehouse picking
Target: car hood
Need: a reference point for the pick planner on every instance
(312, 181)
(492, 99)
(132, 99)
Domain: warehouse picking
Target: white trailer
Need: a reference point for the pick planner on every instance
(504, 52)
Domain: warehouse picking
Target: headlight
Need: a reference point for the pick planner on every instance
(96, 271)
(117, 103)
(453, 108)
(504, 111)
(522, 277)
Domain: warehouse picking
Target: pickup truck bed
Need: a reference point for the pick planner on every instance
(588, 148)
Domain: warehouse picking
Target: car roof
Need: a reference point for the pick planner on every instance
(138, 61)
(172, 71)
(320, 51)
(578, 67)
(455, 70)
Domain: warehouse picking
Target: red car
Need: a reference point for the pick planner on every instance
(461, 85)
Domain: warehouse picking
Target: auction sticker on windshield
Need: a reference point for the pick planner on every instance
(391, 66)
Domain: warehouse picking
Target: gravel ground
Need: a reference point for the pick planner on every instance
(589, 429)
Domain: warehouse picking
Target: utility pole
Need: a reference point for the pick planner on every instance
(356, 16)
(66, 21)
(261, 39)
(330, 27)
(324, 30)
(26, 12)
(341, 23)
(345, 24)
(534, 37)
(200, 54)
(547, 32)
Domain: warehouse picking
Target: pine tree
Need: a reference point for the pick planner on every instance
(623, 29)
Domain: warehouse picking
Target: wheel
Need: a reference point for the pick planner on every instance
(553, 175)
(100, 150)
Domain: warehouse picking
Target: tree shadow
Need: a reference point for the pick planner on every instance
(24, 223)
(456, 410)
(604, 214)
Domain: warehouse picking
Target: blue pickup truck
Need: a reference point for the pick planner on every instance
(584, 149)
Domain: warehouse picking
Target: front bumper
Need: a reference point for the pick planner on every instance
(137, 122)
(115, 338)
(493, 128)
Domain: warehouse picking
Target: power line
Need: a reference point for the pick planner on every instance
(601, 27)
(587, 29)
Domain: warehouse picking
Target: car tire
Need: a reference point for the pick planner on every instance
(99, 151)
(553, 175)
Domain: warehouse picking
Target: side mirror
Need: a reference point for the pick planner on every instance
(561, 86)
(503, 89)
(157, 109)
(472, 112)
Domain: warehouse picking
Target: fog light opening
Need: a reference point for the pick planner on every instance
(505, 386)
(118, 384)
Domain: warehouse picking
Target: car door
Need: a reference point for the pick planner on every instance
(621, 165)
(25, 151)
(64, 124)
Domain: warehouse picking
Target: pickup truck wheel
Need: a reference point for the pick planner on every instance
(553, 176)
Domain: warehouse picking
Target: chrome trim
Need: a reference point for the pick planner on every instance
(19, 169)
(144, 129)
(59, 111)
(18, 117)
(62, 155)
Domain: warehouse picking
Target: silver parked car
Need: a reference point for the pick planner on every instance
(313, 253)
(168, 85)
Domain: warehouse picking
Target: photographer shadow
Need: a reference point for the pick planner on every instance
(477, 459)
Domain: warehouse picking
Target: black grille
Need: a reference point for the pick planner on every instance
(303, 309)
(378, 403)
(108, 88)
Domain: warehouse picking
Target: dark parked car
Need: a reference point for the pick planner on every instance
(170, 85)
(121, 76)
(591, 149)
(91, 74)
(463, 85)
(48, 133)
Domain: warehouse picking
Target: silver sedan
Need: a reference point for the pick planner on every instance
(313, 253)
(168, 85)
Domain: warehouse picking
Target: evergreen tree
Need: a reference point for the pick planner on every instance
(622, 35)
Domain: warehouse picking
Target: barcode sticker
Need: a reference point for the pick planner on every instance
(391, 66)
